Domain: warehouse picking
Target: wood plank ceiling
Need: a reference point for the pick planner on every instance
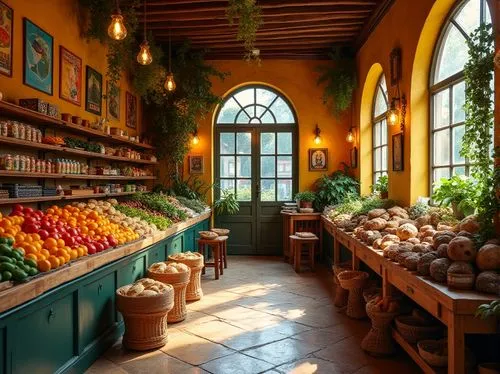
(299, 29)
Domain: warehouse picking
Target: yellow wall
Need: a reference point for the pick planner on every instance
(297, 80)
(60, 20)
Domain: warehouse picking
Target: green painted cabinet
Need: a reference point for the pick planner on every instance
(156, 254)
(175, 245)
(189, 243)
(96, 308)
(3, 339)
(45, 338)
(132, 271)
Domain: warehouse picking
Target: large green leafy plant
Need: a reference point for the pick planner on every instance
(382, 186)
(459, 192)
(477, 140)
(332, 190)
(227, 204)
(249, 18)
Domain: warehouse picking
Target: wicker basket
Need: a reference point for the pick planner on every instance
(413, 332)
(179, 282)
(379, 340)
(208, 235)
(341, 295)
(339, 268)
(427, 350)
(145, 319)
(352, 279)
(193, 291)
(461, 281)
(221, 232)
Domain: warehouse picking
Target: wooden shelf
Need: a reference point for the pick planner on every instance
(41, 199)
(32, 117)
(412, 351)
(71, 151)
(19, 174)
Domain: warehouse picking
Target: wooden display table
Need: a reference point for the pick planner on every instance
(294, 222)
(454, 308)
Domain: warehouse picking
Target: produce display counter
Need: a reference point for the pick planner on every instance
(454, 308)
(74, 306)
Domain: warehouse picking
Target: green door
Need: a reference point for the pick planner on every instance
(256, 160)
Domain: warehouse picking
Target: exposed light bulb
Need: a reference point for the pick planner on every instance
(144, 57)
(117, 29)
(393, 117)
(350, 137)
(196, 139)
(170, 82)
(317, 139)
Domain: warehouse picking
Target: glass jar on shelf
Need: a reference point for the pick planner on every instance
(22, 131)
(27, 133)
(4, 128)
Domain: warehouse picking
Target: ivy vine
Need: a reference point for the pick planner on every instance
(479, 124)
(249, 17)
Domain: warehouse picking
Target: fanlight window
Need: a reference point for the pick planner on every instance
(255, 105)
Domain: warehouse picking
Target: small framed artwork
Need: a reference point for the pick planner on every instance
(395, 66)
(196, 165)
(6, 40)
(354, 157)
(398, 152)
(318, 159)
(70, 76)
(38, 56)
(113, 101)
(93, 91)
(131, 110)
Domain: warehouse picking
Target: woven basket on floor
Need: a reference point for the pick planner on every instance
(427, 350)
(354, 281)
(341, 295)
(179, 281)
(145, 319)
(193, 291)
(379, 340)
(411, 330)
(351, 279)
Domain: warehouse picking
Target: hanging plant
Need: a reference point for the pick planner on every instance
(477, 139)
(249, 19)
(340, 80)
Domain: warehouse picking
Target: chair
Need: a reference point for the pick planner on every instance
(299, 246)
(219, 248)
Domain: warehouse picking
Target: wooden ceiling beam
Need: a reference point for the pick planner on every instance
(262, 45)
(373, 21)
(151, 4)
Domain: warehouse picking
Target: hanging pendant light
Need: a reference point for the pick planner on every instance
(144, 57)
(170, 82)
(117, 29)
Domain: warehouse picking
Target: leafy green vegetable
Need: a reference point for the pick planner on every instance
(192, 204)
(158, 203)
(418, 210)
(161, 222)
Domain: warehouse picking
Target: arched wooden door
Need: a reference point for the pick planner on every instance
(255, 157)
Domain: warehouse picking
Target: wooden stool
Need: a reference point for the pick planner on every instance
(298, 244)
(218, 246)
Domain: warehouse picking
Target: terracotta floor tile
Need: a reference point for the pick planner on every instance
(347, 354)
(236, 363)
(158, 363)
(310, 365)
(216, 331)
(104, 366)
(282, 351)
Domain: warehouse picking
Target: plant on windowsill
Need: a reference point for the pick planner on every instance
(459, 192)
(305, 199)
(381, 187)
(226, 204)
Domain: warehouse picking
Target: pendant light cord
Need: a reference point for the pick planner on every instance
(145, 18)
(169, 52)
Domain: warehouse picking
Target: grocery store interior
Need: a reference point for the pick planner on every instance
(249, 186)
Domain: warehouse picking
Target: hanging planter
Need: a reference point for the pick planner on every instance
(249, 18)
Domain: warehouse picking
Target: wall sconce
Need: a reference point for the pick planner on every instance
(317, 132)
(196, 138)
(396, 115)
(350, 136)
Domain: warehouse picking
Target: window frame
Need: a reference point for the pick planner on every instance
(380, 119)
(447, 84)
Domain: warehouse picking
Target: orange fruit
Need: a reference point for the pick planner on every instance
(32, 256)
(54, 261)
(81, 252)
(45, 252)
(62, 260)
(60, 243)
(50, 243)
(44, 265)
(30, 249)
(35, 236)
(73, 254)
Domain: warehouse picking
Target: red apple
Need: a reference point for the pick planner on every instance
(44, 234)
(91, 248)
(18, 208)
(30, 228)
(28, 210)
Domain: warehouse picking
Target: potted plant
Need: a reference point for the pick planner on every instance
(381, 187)
(227, 204)
(305, 199)
(459, 192)
(334, 189)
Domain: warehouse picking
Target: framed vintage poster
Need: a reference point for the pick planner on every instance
(38, 64)
(70, 76)
(6, 39)
(196, 165)
(398, 152)
(93, 91)
(318, 159)
(130, 110)
(113, 101)
(354, 157)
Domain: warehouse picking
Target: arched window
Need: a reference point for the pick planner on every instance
(448, 89)
(380, 108)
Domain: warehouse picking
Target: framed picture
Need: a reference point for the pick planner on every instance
(113, 101)
(354, 158)
(196, 165)
(70, 76)
(318, 159)
(395, 66)
(93, 91)
(38, 70)
(6, 40)
(398, 152)
(130, 110)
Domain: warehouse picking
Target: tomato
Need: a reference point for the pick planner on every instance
(28, 210)
(44, 234)
(99, 247)
(69, 240)
(18, 208)
(91, 248)
(30, 228)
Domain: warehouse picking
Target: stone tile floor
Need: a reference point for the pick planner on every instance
(260, 317)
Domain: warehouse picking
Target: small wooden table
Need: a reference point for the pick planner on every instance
(297, 244)
(219, 248)
(297, 222)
